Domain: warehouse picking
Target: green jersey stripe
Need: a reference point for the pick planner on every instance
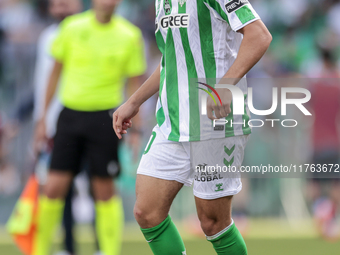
(245, 14)
(194, 128)
(160, 116)
(160, 41)
(206, 39)
(172, 86)
(217, 7)
(246, 129)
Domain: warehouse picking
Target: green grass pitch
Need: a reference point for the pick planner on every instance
(202, 247)
(264, 237)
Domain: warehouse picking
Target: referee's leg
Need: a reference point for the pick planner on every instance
(51, 206)
(102, 152)
(67, 151)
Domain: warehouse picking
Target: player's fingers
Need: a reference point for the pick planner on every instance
(210, 113)
(223, 112)
(118, 126)
(126, 126)
(217, 112)
(227, 109)
(114, 120)
(128, 122)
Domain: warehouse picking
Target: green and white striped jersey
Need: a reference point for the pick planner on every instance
(198, 40)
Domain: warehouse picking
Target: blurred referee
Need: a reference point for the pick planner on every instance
(59, 10)
(94, 53)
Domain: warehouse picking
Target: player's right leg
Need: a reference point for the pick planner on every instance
(154, 198)
(164, 168)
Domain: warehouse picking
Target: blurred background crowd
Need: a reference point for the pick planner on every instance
(306, 46)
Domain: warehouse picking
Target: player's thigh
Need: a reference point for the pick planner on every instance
(214, 215)
(163, 169)
(153, 199)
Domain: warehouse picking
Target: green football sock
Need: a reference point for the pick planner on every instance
(228, 242)
(50, 213)
(109, 225)
(164, 239)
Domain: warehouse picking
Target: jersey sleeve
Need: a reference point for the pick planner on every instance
(59, 46)
(136, 62)
(238, 13)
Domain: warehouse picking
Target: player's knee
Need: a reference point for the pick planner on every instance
(212, 225)
(141, 215)
(145, 218)
(209, 226)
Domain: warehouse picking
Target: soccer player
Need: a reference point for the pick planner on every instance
(94, 53)
(206, 39)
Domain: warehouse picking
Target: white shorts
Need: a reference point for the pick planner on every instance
(211, 164)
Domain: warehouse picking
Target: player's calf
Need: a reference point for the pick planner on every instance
(229, 241)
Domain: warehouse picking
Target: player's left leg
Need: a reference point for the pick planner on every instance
(218, 226)
(216, 181)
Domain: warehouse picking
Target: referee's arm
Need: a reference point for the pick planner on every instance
(40, 130)
(52, 85)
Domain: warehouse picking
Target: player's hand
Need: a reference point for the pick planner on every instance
(220, 111)
(40, 137)
(122, 118)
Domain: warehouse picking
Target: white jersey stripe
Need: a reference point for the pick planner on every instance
(195, 46)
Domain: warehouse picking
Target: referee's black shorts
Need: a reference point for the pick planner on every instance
(86, 135)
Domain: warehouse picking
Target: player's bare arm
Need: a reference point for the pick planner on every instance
(134, 138)
(256, 40)
(132, 86)
(40, 130)
(123, 115)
